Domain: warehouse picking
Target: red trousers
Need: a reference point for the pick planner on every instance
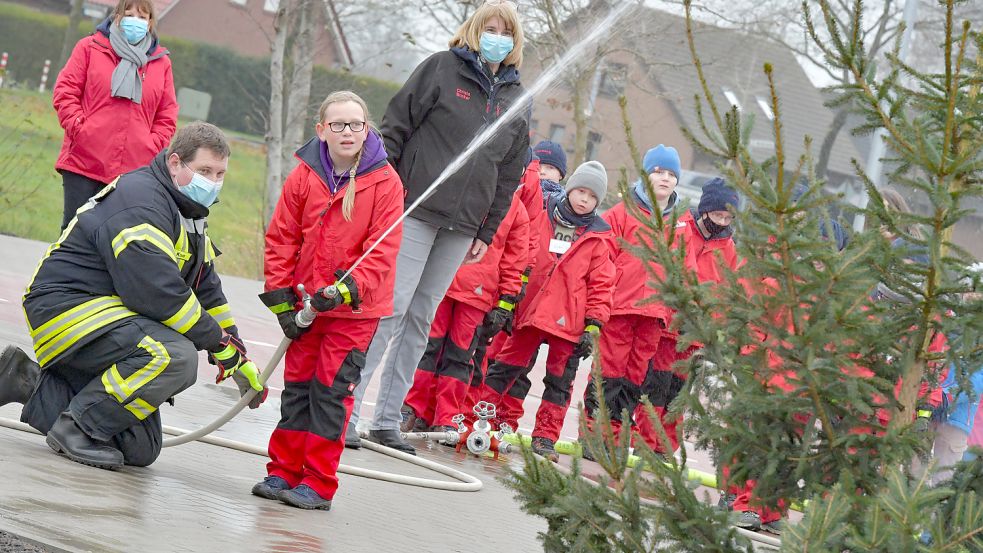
(514, 360)
(321, 371)
(627, 344)
(440, 384)
(509, 408)
(661, 385)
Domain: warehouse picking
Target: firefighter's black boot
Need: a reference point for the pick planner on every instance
(67, 439)
(18, 375)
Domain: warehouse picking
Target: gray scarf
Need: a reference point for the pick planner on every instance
(126, 81)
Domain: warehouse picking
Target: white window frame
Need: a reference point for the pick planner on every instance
(731, 97)
(765, 108)
(271, 5)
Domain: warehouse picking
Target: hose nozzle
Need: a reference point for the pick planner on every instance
(305, 317)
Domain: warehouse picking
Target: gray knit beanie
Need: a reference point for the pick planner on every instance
(592, 176)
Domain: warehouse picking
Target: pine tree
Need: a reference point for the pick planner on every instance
(801, 311)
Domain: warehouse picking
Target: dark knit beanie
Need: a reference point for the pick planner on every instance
(717, 196)
(551, 153)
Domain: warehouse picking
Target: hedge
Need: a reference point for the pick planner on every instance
(239, 85)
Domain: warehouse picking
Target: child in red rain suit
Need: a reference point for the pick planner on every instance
(341, 198)
(710, 251)
(483, 293)
(530, 194)
(574, 302)
(632, 335)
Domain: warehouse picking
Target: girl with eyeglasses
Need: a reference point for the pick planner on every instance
(341, 197)
(450, 98)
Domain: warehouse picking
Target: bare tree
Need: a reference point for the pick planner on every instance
(74, 18)
(274, 124)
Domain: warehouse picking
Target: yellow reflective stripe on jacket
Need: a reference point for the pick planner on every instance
(123, 388)
(186, 317)
(144, 231)
(65, 330)
(210, 254)
(222, 315)
(68, 229)
(181, 250)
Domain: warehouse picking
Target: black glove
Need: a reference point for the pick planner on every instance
(281, 302)
(347, 293)
(525, 282)
(499, 317)
(585, 346)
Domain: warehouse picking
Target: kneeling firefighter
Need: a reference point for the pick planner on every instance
(120, 306)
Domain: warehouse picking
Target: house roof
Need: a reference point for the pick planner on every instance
(734, 60)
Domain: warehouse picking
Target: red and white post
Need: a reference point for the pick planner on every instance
(44, 75)
(3, 67)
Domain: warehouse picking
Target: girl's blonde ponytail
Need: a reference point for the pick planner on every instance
(348, 202)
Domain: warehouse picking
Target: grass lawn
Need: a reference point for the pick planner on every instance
(31, 192)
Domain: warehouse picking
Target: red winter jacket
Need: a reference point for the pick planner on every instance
(499, 271)
(576, 286)
(702, 254)
(531, 196)
(106, 136)
(633, 283)
(309, 239)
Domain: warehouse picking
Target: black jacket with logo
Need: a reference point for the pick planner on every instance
(139, 247)
(446, 102)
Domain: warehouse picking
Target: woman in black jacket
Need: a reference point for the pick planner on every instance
(449, 98)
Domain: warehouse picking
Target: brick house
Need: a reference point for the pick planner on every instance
(652, 67)
(243, 26)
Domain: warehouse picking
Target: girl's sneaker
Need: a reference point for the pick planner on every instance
(544, 448)
(270, 487)
(304, 497)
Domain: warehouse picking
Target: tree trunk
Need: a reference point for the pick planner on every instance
(274, 124)
(74, 18)
(302, 56)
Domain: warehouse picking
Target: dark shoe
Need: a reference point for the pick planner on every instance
(409, 418)
(749, 520)
(67, 439)
(304, 497)
(544, 448)
(391, 438)
(270, 487)
(18, 375)
(584, 452)
(352, 439)
(726, 501)
(774, 527)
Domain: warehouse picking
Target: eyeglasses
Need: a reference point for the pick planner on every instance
(338, 126)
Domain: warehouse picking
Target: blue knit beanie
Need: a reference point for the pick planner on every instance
(717, 196)
(663, 157)
(551, 153)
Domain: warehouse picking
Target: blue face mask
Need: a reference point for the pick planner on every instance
(201, 190)
(134, 28)
(495, 48)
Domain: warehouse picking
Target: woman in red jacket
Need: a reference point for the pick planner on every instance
(115, 99)
(340, 199)
(574, 302)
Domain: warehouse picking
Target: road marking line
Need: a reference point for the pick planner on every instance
(264, 344)
(3, 301)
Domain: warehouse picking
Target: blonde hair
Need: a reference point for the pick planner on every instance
(142, 5)
(348, 202)
(469, 33)
(894, 201)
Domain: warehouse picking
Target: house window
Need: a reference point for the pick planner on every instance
(613, 78)
(731, 97)
(271, 5)
(765, 108)
(557, 132)
(533, 125)
(239, 2)
(593, 145)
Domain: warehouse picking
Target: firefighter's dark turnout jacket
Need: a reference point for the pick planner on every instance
(138, 248)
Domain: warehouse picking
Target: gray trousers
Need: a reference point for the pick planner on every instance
(429, 257)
